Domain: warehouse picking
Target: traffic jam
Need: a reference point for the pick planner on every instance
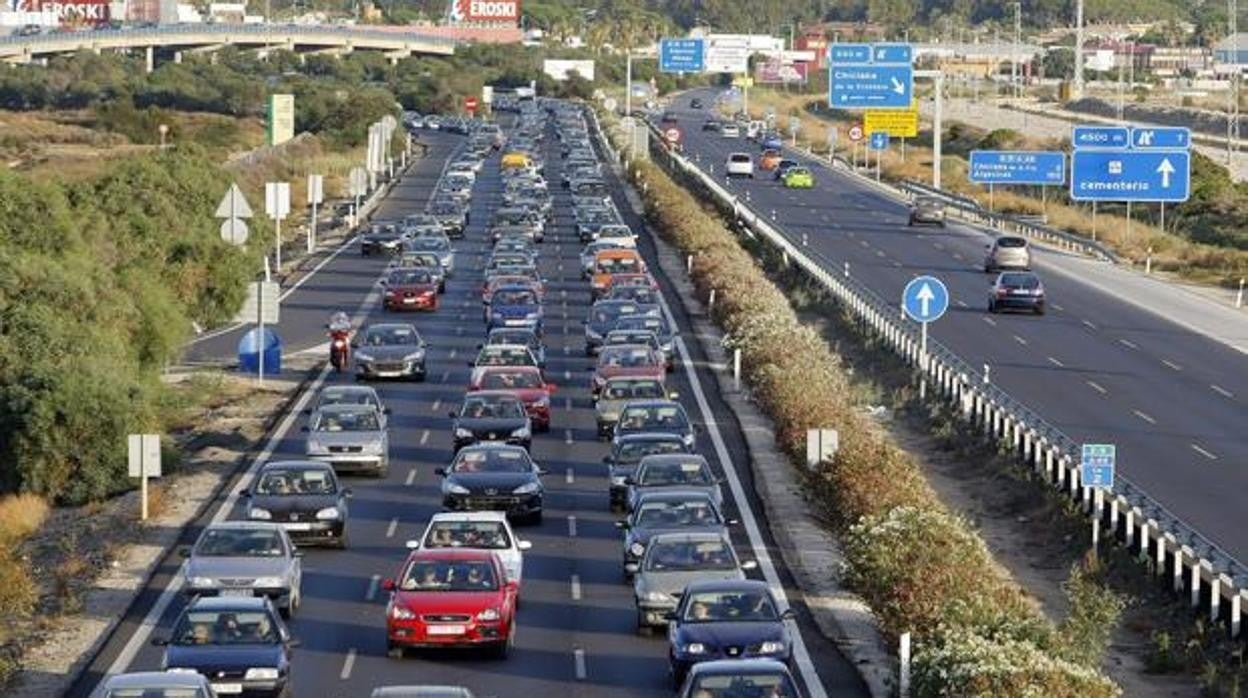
(461, 581)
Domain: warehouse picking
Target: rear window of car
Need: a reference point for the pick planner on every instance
(739, 157)
(1029, 281)
(1011, 242)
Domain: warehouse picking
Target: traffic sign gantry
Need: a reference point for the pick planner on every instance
(682, 55)
(1097, 464)
(925, 299)
(870, 76)
(1017, 167)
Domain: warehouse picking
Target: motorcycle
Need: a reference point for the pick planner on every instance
(339, 349)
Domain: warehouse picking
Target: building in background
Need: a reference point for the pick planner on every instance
(976, 61)
(816, 42)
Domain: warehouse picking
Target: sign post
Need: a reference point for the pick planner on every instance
(144, 462)
(925, 299)
(316, 195)
(277, 207)
(831, 144)
(879, 143)
(1096, 471)
(357, 186)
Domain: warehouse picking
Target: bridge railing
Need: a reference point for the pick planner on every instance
(256, 30)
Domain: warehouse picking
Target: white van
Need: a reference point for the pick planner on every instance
(740, 165)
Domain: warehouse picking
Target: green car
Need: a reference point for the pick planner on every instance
(798, 178)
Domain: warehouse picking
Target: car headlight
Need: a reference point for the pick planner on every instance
(453, 488)
(488, 614)
(372, 447)
(260, 514)
(328, 513)
(527, 488)
(269, 582)
(531, 316)
(360, 356)
(687, 439)
(637, 549)
(521, 433)
(619, 480)
(657, 596)
(401, 613)
(695, 648)
(415, 356)
(771, 647)
(496, 315)
(261, 673)
(461, 433)
(200, 582)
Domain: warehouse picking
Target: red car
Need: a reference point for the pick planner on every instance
(620, 360)
(526, 383)
(447, 597)
(410, 289)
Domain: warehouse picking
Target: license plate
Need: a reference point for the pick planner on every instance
(1020, 292)
(409, 300)
(447, 630)
(236, 592)
(229, 688)
(515, 323)
(297, 526)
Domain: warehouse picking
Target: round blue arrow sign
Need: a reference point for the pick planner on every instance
(925, 299)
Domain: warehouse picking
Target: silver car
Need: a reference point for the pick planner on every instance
(389, 350)
(1007, 252)
(438, 244)
(428, 261)
(619, 391)
(683, 471)
(350, 438)
(184, 684)
(350, 395)
(244, 558)
(671, 562)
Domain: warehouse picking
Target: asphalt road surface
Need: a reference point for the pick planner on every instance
(1097, 367)
(576, 633)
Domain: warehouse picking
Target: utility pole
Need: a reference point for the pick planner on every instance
(1015, 81)
(1077, 93)
(628, 85)
(1232, 107)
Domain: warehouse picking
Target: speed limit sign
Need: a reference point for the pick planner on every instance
(855, 133)
(672, 135)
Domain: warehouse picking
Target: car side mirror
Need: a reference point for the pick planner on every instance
(749, 565)
(606, 459)
(307, 410)
(160, 641)
(184, 552)
(348, 493)
(385, 410)
(304, 428)
(629, 481)
(294, 642)
(387, 584)
(440, 472)
(470, 364)
(670, 615)
(381, 282)
(591, 369)
(789, 614)
(622, 525)
(524, 545)
(451, 414)
(244, 493)
(355, 345)
(632, 568)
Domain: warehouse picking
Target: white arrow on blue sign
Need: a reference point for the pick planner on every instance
(879, 140)
(1130, 175)
(925, 299)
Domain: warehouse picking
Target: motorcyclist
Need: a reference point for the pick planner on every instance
(339, 327)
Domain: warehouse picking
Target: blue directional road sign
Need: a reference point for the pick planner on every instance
(879, 140)
(1130, 175)
(849, 53)
(1018, 167)
(925, 299)
(1146, 137)
(892, 53)
(1100, 137)
(682, 55)
(870, 76)
(1096, 465)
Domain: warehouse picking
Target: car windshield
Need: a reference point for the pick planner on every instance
(607, 313)
(669, 417)
(340, 396)
(506, 258)
(927, 203)
(505, 356)
(626, 357)
(692, 472)
(511, 217)
(226, 628)
(420, 259)
(675, 514)
(515, 297)
(409, 278)
(637, 294)
(618, 265)
(149, 692)
(444, 209)
(1028, 281)
(240, 542)
(399, 335)
(740, 157)
(347, 420)
(683, 555)
(590, 189)
(511, 380)
(511, 337)
(488, 535)
(730, 607)
(744, 685)
(616, 337)
(633, 451)
(277, 482)
(447, 575)
(429, 244)
(615, 231)
(653, 323)
(798, 171)
(632, 390)
(491, 407)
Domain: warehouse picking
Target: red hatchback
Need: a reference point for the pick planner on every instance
(410, 289)
(526, 383)
(451, 598)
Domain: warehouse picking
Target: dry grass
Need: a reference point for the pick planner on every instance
(20, 516)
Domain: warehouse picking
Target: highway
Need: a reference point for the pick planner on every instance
(1098, 367)
(576, 633)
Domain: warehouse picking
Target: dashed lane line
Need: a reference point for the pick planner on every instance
(1144, 417)
(1093, 385)
(347, 665)
(1197, 448)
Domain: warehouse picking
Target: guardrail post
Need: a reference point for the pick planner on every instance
(1144, 530)
(1071, 474)
(1130, 534)
(1179, 554)
(1113, 514)
(1161, 553)
(1215, 597)
(1236, 614)
(1048, 463)
(1196, 567)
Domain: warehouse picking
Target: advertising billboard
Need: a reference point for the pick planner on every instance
(281, 126)
(493, 11)
(777, 71)
(68, 12)
(560, 69)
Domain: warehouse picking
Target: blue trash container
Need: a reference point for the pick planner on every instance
(249, 352)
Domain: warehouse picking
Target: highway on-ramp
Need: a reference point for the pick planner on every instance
(577, 634)
(1097, 366)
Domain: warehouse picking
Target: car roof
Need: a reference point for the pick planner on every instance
(507, 369)
(649, 436)
(691, 536)
(393, 325)
(491, 393)
(156, 679)
(673, 495)
(654, 403)
(421, 692)
(727, 585)
(345, 407)
(242, 526)
(348, 389)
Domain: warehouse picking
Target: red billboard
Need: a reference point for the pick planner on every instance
(774, 71)
(493, 11)
(71, 13)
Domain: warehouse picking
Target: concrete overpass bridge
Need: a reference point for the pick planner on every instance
(178, 38)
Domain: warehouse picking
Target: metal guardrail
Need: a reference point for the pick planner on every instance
(1195, 565)
(260, 31)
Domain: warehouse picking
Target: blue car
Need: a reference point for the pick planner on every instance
(727, 619)
(240, 643)
(772, 142)
(515, 306)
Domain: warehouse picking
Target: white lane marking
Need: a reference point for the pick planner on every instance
(452, 353)
(990, 321)
(1128, 344)
(347, 665)
(864, 243)
(1057, 363)
(1097, 388)
(424, 437)
(1144, 417)
(939, 246)
(1203, 452)
(567, 404)
(436, 405)
(570, 477)
(411, 477)
(1172, 365)
(373, 583)
(957, 256)
(1221, 391)
(897, 264)
(961, 303)
(1089, 325)
(567, 375)
(394, 526)
(879, 253)
(445, 375)
(571, 526)
(567, 350)
(567, 436)
(1056, 307)
(578, 658)
(1020, 340)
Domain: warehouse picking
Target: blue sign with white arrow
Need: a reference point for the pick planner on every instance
(925, 299)
(1147, 137)
(870, 76)
(879, 140)
(1130, 175)
(1018, 167)
(1100, 137)
(682, 55)
(1096, 465)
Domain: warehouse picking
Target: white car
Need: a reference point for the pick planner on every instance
(740, 165)
(619, 234)
(476, 530)
(730, 131)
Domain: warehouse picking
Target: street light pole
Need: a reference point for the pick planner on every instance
(1018, 39)
(628, 85)
(1078, 91)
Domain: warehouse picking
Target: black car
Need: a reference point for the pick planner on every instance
(303, 497)
(656, 416)
(727, 619)
(669, 511)
(495, 477)
(240, 643)
(389, 350)
(710, 125)
(1016, 290)
(627, 452)
(695, 103)
(381, 238)
(491, 415)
